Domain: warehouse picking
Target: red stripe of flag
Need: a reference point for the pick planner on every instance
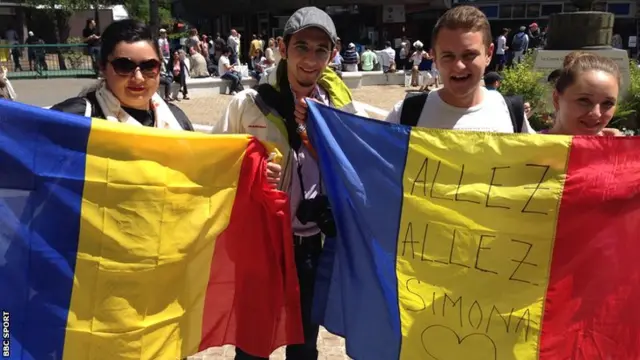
(252, 300)
(592, 306)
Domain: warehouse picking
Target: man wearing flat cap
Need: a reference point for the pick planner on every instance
(269, 114)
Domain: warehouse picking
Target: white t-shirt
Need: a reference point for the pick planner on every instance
(404, 51)
(417, 57)
(501, 43)
(222, 69)
(387, 56)
(234, 43)
(491, 115)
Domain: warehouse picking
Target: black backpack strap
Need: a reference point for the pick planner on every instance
(96, 110)
(273, 99)
(515, 104)
(412, 108)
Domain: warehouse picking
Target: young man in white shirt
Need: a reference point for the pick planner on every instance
(388, 57)
(462, 47)
(227, 71)
(501, 50)
(269, 114)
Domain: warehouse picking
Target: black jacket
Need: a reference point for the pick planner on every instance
(78, 106)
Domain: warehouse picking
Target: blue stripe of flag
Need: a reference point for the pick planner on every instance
(42, 167)
(362, 164)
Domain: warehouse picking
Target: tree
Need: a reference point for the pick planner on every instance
(61, 10)
(139, 10)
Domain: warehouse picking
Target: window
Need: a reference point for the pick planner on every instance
(548, 9)
(505, 11)
(620, 9)
(519, 11)
(533, 11)
(490, 10)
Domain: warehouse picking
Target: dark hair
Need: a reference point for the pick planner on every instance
(129, 31)
(4, 92)
(555, 74)
(287, 39)
(578, 62)
(227, 50)
(89, 20)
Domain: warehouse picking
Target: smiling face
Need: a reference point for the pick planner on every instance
(586, 106)
(461, 57)
(307, 55)
(132, 90)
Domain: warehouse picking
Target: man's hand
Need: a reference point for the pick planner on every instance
(273, 174)
(301, 110)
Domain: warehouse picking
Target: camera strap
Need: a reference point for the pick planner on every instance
(300, 177)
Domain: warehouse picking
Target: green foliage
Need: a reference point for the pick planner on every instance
(522, 80)
(628, 109)
(69, 6)
(139, 10)
(178, 35)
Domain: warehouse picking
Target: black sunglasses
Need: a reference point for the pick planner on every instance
(126, 67)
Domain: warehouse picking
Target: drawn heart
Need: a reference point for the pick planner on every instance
(443, 343)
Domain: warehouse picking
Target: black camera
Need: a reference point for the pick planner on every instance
(317, 210)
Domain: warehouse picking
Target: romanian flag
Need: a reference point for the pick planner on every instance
(465, 245)
(119, 242)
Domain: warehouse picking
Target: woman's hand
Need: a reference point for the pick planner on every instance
(611, 132)
(273, 174)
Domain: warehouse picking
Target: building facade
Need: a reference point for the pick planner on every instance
(375, 21)
(515, 13)
(367, 22)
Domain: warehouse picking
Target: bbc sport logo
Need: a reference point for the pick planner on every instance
(6, 341)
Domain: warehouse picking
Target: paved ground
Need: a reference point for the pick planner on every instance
(201, 110)
(204, 110)
(330, 347)
(209, 110)
(48, 92)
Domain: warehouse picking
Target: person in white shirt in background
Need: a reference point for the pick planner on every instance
(501, 50)
(163, 44)
(463, 46)
(227, 70)
(388, 58)
(416, 59)
(10, 93)
(434, 71)
(234, 43)
(405, 49)
(272, 58)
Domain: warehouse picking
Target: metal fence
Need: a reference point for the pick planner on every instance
(48, 60)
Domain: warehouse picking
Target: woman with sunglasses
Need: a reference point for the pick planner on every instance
(131, 67)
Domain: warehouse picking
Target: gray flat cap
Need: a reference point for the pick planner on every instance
(308, 17)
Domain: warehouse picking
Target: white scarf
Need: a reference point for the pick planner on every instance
(112, 110)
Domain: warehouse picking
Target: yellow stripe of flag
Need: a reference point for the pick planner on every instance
(129, 204)
(485, 223)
